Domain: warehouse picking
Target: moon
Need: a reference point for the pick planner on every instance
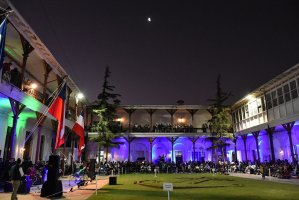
(149, 19)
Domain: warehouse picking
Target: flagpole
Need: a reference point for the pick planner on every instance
(56, 92)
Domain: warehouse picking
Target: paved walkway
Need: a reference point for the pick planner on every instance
(294, 181)
(77, 193)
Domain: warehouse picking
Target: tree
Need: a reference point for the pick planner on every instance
(105, 136)
(107, 99)
(105, 109)
(220, 123)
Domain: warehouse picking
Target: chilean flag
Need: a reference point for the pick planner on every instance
(57, 109)
(78, 128)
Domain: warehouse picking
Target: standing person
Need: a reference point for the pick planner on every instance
(17, 174)
(263, 171)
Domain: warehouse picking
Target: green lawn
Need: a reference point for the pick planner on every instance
(195, 186)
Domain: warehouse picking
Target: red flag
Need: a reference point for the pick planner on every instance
(78, 128)
(57, 109)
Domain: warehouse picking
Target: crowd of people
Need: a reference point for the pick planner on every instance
(166, 128)
(38, 172)
(280, 168)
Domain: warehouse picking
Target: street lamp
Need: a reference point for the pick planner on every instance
(78, 97)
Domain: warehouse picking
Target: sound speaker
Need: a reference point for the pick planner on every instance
(53, 167)
(52, 187)
(92, 168)
(112, 180)
(51, 190)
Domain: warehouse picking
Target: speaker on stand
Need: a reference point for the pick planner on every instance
(52, 187)
(92, 169)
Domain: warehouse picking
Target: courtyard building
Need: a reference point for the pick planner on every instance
(30, 75)
(265, 128)
(266, 121)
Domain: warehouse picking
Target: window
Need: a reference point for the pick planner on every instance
(274, 98)
(254, 107)
(259, 105)
(240, 112)
(263, 103)
(280, 96)
(246, 111)
(233, 116)
(243, 112)
(268, 100)
(286, 91)
(293, 89)
(236, 116)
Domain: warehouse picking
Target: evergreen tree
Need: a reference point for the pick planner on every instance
(105, 108)
(107, 99)
(220, 123)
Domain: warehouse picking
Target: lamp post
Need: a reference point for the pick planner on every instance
(78, 97)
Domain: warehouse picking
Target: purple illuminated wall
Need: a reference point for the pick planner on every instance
(140, 147)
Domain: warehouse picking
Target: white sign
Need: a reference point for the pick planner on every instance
(167, 187)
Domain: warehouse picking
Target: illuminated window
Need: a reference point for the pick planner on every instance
(254, 107)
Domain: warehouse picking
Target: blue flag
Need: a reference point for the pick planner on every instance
(2, 42)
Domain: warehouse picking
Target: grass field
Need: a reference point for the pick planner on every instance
(195, 186)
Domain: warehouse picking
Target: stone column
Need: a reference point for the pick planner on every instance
(270, 131)
(288, 127)
(27, 49)
(151, 141)
(171, 112)
(129, 140)
(244, 137)
(235, 139)
(193, 140)
(151, 112)
(130, 111)
(172, 140)
(256, 137)
(192, 112)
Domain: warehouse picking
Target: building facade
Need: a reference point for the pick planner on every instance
(266, 121)
(173, 133)
(29, 76)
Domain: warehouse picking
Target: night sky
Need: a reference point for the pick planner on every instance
(178, 55)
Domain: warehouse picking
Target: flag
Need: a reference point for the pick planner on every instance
(57, 109)
(2, 43)
(78, 128)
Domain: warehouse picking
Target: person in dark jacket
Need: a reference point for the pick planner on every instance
(17, 174)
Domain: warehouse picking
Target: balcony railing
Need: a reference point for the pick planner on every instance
(14, 77)
(156, 129)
